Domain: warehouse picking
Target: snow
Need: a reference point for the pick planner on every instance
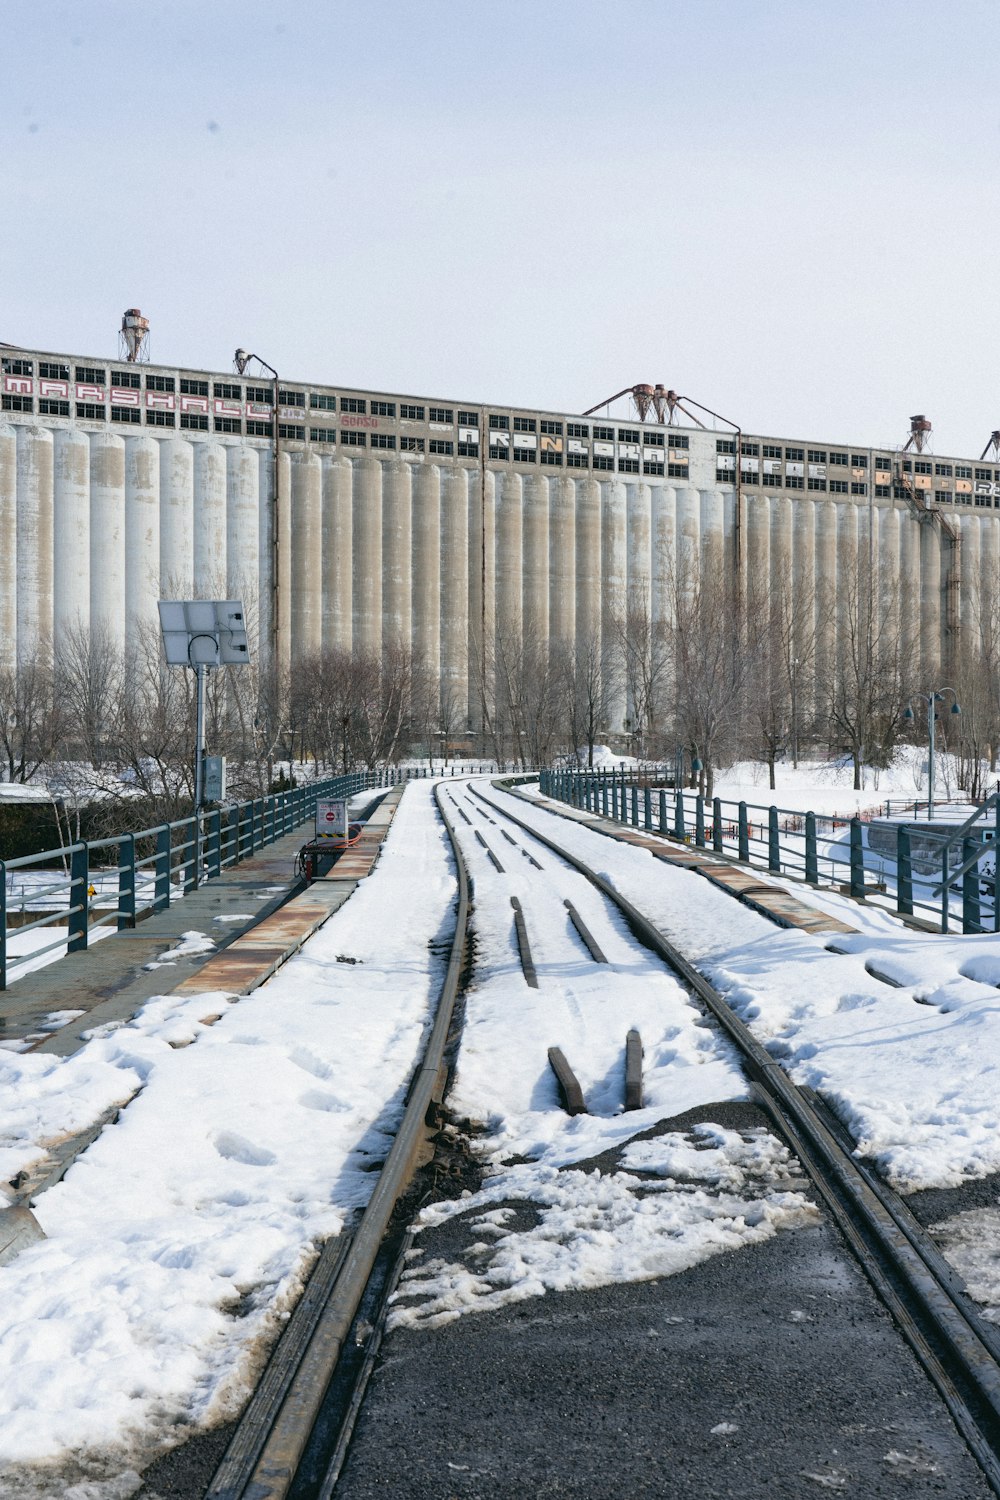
(18, 792)
(971, 1241)
(827, 787)
(914, 1071)
(176, 1243)
(594, 1228)
(696, 1196)
(192, 945)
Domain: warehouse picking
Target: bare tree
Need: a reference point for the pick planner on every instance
(585, 693)
(644, 656)
(88, 680)
(713, 640)
(783, 628)
(32, 717)
(864, 686)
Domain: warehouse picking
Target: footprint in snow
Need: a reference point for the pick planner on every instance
(237, 1148)
(316, 1099)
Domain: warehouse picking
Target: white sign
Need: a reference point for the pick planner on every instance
(331, 819)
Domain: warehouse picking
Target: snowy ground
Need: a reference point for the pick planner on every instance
(674, 1200)
(913, 1071)
(177, 1242)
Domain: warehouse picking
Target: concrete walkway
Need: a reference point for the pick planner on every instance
(112, 979)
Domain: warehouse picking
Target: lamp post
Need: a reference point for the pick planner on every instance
(242, 359)
(932, 699)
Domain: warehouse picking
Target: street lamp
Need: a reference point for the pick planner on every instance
(241, 359)
(932, 699)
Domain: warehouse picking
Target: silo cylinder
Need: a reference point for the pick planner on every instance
(8, 548)
(427, 570)
(71, 535)
(107, 537)
(209, 520)
(34, 542)
(307, 559)
(338, 551)
(142, 535)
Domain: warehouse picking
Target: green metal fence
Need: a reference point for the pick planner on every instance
(947, 873)
(149, 869)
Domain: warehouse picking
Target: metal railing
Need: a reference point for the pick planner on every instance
(914, 868)
(114, 882)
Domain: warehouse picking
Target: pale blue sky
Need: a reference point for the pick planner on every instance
(786, 210)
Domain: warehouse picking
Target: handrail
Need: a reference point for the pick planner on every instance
(186, 852)
(906, 861)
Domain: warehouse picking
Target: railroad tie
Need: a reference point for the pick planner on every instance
(569, 1087)
(496, 863)
(633, 1070)
(523, 948)
(588, 940)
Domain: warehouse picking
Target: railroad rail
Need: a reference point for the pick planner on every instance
(266, 1454)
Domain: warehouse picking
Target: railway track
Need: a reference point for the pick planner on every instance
(292, 1439)
(267, 1456)
(959, 1351)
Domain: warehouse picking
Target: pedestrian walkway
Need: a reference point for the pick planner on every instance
(245, 916)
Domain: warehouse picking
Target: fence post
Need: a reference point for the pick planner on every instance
(945, 889)
(214, 849)
(604, 796)
(773, 848)
(79, 901)
(857, 860)
(3, 925)
(635, 807)
(971, 916)
(191, 853)
(126, 882)
(161, 868)
(904, 871)
(699, 821)
(717, 843)
(647, 809)
(678, 814)
(662, 810)
(812, 863)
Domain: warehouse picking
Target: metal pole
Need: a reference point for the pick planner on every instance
(930, 759)
(199, 762)
(199, 773)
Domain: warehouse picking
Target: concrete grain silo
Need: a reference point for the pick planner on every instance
(463, 534)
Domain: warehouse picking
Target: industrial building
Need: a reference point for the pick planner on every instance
(438, 522)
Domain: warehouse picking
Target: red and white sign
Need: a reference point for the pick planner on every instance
(331, 819)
